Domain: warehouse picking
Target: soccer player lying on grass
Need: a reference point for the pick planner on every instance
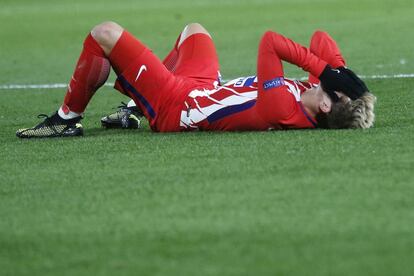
(182, 93)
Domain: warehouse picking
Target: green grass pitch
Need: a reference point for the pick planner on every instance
(305, 202)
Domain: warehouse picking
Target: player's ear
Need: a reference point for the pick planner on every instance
(325, 105)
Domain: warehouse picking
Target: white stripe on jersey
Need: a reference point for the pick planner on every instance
(251, 95)
(293, 89)
(196, 114)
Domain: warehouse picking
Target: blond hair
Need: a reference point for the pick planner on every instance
(350, 114)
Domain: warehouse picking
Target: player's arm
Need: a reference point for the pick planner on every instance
(274, 102)
(278, 47)
(283, 48)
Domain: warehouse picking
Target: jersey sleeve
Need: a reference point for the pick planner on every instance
(275, 103)
(292, 52)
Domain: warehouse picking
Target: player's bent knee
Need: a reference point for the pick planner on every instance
(190, 29)
(318, 35)
(107, 33)
(196, 27)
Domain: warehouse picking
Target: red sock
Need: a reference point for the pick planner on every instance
(91, 72)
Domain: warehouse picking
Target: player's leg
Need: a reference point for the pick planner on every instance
(197, 56)
(171, 59)
(139, 69)
(145, 79)
(128, 115)
(191, 29)
(91, 72)
(326, 48)
(92, 69)
(193, 55)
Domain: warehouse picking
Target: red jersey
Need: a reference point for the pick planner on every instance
(232, 107)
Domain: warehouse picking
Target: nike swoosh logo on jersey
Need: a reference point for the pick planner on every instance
(336, 70)
(141, 69)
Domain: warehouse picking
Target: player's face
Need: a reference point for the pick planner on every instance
(342, 97)
(326, 102)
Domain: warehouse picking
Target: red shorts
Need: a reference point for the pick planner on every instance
(161, 93)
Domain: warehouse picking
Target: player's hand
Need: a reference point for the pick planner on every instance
(356, 79)
(343, 80)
